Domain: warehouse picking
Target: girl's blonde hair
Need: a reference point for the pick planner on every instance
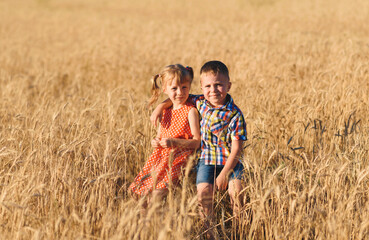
(170, 73)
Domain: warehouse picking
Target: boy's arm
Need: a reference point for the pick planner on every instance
(221, 181)
(155, 143)
(156, 114)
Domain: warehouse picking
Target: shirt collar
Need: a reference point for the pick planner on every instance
(229, 105)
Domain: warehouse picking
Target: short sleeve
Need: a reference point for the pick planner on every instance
(238, 127)
(196, 100)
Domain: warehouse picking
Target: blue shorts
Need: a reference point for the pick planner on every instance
(208, 173)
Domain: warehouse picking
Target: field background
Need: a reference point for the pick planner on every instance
(74, 125)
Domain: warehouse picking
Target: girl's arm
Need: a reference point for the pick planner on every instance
(221, 181)
(156, 114)
(194, 143)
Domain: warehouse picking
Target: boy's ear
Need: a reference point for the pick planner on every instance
(229, 86)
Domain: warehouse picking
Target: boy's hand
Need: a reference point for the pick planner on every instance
(221, 182)
(155, 143)
(155, 117)
(157, 113)
(166, 142)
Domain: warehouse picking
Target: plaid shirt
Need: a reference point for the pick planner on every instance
(218, 127)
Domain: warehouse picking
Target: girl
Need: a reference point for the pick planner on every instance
(178, 135)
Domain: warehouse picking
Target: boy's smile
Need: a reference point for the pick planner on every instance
(215, 88)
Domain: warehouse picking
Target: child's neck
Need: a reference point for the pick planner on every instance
(217, 105)
(177, 106)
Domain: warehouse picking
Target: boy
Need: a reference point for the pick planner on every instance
(223, 130)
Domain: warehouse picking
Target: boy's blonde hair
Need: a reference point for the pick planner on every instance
(170, 73)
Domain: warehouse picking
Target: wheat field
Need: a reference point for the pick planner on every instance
(75, 129)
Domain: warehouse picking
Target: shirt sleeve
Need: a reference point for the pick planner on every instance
(196, 100)
(238, 128)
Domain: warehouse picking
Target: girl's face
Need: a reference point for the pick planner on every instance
(178, 92)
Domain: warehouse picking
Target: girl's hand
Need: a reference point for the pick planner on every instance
(166, 142)
(155, 143)
(221, 182)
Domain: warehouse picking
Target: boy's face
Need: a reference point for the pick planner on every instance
(215, 88)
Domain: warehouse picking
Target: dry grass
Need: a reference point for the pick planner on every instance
(74, 128)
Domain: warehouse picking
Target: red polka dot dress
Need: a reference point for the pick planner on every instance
(165, 164)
